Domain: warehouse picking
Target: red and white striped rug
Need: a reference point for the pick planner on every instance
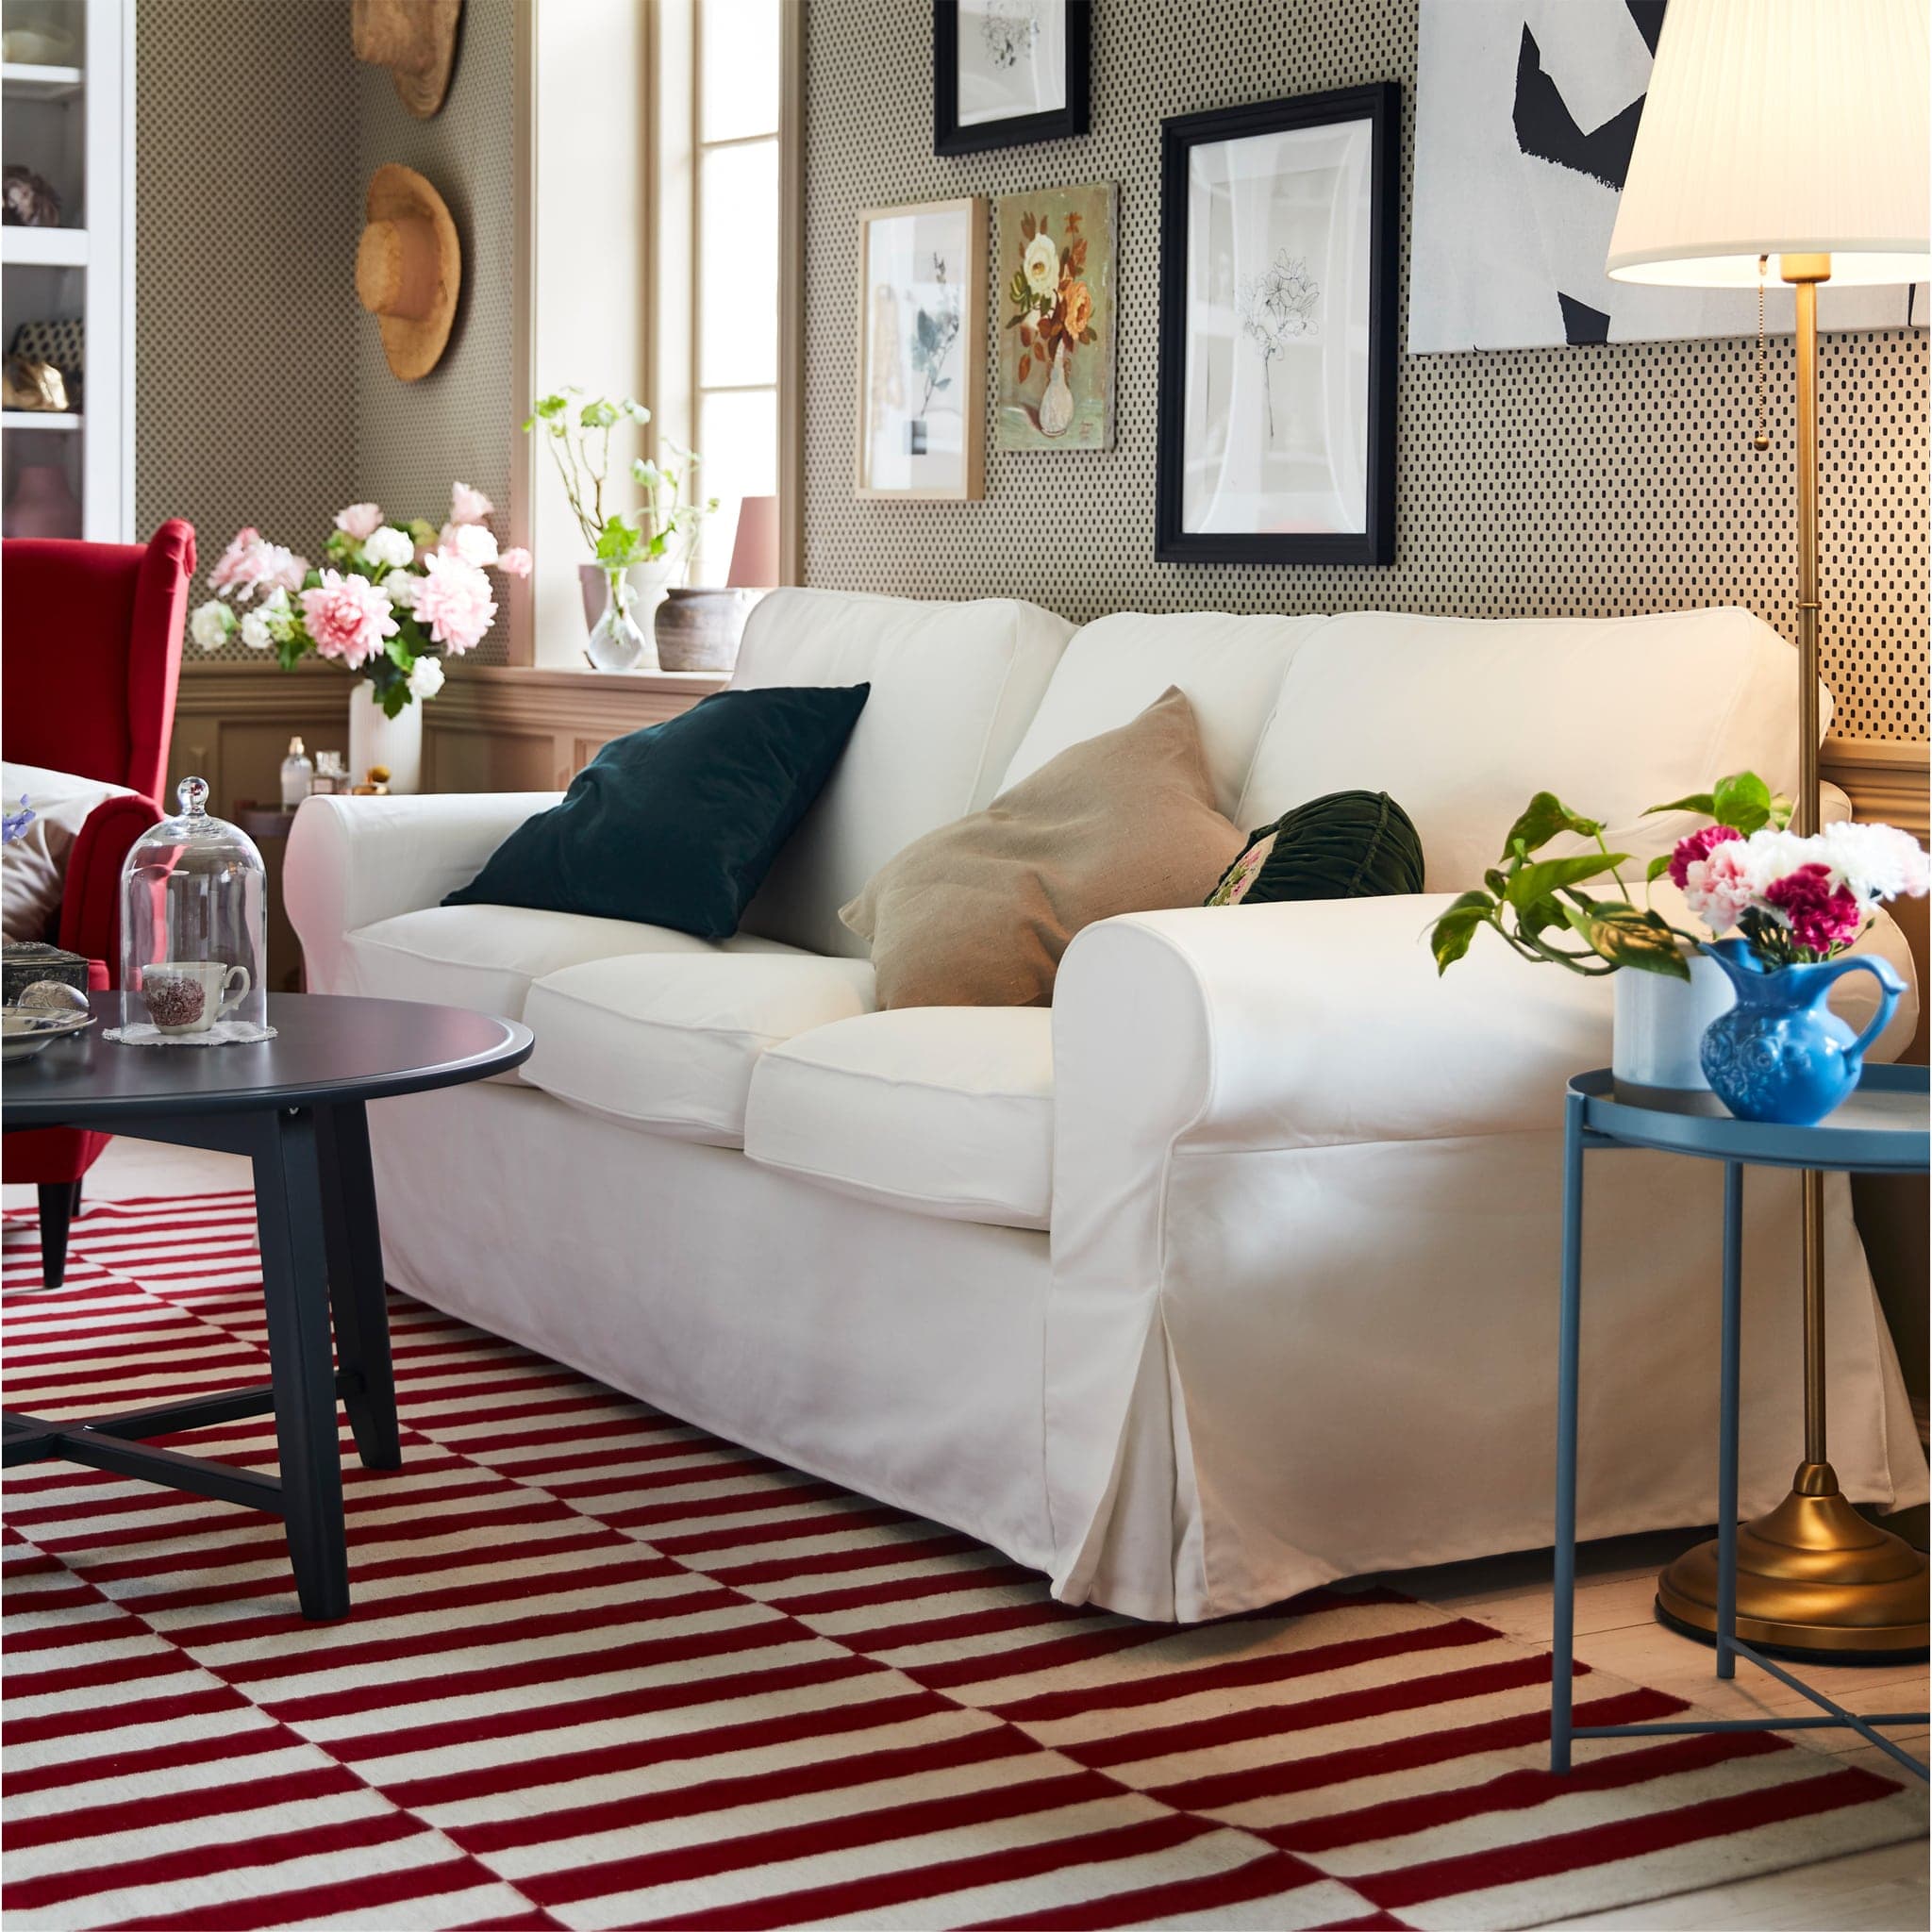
(607, 1670)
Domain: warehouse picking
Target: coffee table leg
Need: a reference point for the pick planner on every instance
(295, 1283)
(1569, 1326)
(355, 1282)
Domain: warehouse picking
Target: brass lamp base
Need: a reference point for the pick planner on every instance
(1814, 1579)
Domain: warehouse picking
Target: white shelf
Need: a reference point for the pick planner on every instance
(38, 419)
(43, 247)
(23, 81)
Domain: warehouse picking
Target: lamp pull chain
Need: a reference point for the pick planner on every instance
(1762, 439)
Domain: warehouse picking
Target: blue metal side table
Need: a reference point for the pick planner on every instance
(1881, 1129)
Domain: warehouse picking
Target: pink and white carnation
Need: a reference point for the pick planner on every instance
(514, 563)
(1719, 888)
(251, 563)
(453, 601)
(1699, 845)
(474, 543)
(360, 520)
(347, 618)
(467, 505)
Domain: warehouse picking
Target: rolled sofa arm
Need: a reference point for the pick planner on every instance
(352, 861)
(1243, 1096)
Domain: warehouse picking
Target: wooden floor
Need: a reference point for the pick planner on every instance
(1872, 1892)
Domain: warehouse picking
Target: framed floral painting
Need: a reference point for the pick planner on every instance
(1277, 331)
(1006, 72)
(922, 351)
(1057, 304)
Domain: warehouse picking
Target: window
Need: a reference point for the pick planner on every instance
(733, 286)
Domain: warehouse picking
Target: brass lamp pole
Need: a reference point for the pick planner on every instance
(1813, 1576)
(1794, 133)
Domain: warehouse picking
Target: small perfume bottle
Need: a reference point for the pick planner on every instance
(298, 775)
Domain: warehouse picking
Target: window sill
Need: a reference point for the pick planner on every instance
(565, 678)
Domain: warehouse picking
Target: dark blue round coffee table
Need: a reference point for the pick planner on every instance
(293, 1105)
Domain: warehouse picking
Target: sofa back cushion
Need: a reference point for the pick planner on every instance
(1464, 719)
(952, 687)
(1229, 668)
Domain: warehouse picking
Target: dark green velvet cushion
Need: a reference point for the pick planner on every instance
(677, 824)
(1348, 845)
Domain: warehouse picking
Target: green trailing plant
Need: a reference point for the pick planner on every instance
(1551, 908)
(579, 430)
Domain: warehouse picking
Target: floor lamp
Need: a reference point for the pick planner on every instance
(1788, 138)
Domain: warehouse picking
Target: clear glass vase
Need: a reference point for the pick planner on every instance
(618, 640)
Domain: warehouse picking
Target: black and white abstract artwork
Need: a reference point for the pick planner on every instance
(1526, 112)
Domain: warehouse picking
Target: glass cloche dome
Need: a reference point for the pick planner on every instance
(193, 951)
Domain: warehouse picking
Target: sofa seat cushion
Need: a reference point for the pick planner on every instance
(486, 956)
(943, 1110)
(668, 1045)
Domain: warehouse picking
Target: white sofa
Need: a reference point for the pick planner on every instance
(1233, 1272)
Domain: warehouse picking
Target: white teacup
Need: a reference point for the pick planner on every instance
(189, 995)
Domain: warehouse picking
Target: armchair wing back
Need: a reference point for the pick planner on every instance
(93, 654)
(93, 660)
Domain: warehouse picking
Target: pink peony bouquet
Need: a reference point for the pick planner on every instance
(1794, 900)
(389, 601)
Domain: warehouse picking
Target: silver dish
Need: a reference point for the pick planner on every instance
(24, 1034)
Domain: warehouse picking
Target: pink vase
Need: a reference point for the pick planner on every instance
(41, 504)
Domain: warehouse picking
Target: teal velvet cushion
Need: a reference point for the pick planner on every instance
(1348, 845)
(677, 824)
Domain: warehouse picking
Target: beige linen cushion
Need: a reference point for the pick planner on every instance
(978, 913)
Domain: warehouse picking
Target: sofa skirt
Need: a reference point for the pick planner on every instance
(1347, 1366)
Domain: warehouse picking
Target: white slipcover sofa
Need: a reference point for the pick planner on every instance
(1233, 1272)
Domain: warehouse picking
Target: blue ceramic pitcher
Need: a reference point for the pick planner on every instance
(1780, 1055)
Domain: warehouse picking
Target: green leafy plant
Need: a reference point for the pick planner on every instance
(579, 429)
(1543, 907)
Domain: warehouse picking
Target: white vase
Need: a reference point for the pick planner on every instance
(1660, 1028)
(376, 739)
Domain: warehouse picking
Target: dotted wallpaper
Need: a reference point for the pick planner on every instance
(261, 393)
(244, 256)
(1592, 481)
(458, 421)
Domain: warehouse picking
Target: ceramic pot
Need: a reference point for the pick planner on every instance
(1660, 1027)
(699, 630)
(1778, 1054)
(376, 739)
(41, 505)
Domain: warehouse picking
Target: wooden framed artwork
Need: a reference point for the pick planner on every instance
(922, 351)
(1006, 72)
(1277, 331)
(1057, 313)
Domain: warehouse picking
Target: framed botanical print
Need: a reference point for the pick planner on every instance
(1277, 331)
(1057, 313)
(922, 351)
(1008, 72)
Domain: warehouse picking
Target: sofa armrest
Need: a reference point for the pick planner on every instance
(1325, 1022)
(352, 861)
(91, 893)
(1313, 1023)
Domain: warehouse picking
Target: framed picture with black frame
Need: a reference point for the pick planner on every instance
(1278, 239)
(1007, 72)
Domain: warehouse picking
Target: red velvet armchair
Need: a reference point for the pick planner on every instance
(93, 657)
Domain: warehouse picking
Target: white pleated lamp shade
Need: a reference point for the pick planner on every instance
(1781, 127)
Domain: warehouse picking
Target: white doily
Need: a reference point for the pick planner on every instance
(217, 1033)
